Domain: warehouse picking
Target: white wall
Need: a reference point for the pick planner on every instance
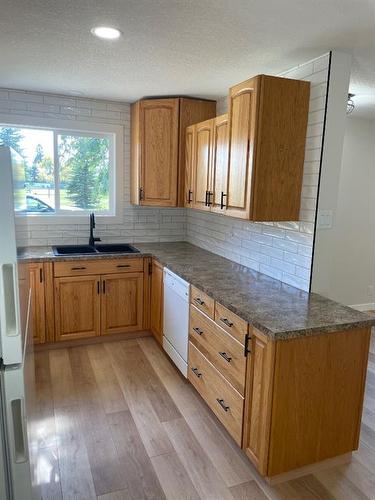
(353, 248)
(282, 250)
(138, 223)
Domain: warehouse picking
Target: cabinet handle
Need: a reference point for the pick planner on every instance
(226, 322)
(98, 287)
(198, 330)
(41, 275)
(223, 195)
(222, 404)
(199, 301)
(190, 192)
(209, 194)
(225, 356)
(123, 265)
(206, 202)
(141, 193)
(246, 349)
(78, 268)
(103, 286)
(196, 372)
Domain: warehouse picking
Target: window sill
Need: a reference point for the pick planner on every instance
(29, 220)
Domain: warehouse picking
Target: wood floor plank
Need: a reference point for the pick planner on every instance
(112, 397)
(105, 466)
(173, 477)
(116, 495)
(141, 369)
(206, 479)
(76, 479)
(148, 424)
(360, 476)
(225, 454)
(63, 386)
(137, 469)
(247, 491)
(339, 486)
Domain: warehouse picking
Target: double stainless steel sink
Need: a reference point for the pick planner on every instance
(89, 249)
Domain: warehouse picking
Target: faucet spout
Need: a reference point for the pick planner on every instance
(92, 238)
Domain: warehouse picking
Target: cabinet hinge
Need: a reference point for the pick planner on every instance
(150, 268)
(246, 348)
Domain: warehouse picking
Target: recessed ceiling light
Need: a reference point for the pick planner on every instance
(106, 32)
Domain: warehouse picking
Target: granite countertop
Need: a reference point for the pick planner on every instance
(276, 309)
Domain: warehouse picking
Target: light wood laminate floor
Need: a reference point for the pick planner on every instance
(116, 421)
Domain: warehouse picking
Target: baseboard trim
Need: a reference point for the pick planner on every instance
(92, 340)
(309, 469)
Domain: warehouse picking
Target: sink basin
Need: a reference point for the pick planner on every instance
(87, 249)
(73, 250)
(116, 248)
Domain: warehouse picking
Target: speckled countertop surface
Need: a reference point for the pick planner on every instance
(278, 310)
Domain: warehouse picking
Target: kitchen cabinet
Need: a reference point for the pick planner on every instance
(77, 307)
(249, 164)
(98, 297)
(156, 303)
(190, 161)
(38, 314)
(158, 154)
(202, 165)
(121, 303)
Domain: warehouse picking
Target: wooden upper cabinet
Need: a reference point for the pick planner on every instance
(268, 120)
(158, 144)
(189, 164)
(202, 166)
(220, 151)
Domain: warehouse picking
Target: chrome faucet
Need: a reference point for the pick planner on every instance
(92, 239)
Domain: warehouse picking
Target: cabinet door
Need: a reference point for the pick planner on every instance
(220, 158)
(202, 165)
(38, 316)
(189, 157)
(242, 119)
(77, 307)
(157, 301)
(159, 152)
(258, 400)
(121, 303)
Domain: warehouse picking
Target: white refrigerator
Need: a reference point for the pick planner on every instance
(16, 354)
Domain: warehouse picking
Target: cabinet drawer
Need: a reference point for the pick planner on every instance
(224, 401)
(83, 267)
(231, 323)
(202, 301)
(222, 350)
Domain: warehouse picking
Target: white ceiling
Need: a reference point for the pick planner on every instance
(195, 47)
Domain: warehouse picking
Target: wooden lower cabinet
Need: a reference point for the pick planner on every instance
(121, 303)
(38, 315)
(156, 302)
(77, 307)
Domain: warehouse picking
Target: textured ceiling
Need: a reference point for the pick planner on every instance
(196, 47)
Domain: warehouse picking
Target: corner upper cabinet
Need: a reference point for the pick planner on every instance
(158, 156)
(268, 121)
(220, 153)
(189, 159)
(202, 166)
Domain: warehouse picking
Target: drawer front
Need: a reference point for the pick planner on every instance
(224, 401)
(222, 350)
(83, 267)
(231, 323)
(202, 301)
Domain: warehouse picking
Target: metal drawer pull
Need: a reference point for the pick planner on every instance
(225, 356)
(78, 268)
(199, 301)
(196, 372)
(123, 265)
(198, 330)
(226, 322)
(222, 404)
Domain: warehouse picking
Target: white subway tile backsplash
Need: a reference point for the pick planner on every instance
(18, 95)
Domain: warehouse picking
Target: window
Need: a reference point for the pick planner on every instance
(65, 172)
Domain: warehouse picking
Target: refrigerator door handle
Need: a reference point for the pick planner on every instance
(18, 430)
(9, 306)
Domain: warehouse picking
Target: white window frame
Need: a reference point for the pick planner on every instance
(114, 133)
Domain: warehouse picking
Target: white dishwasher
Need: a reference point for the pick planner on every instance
(176, 319)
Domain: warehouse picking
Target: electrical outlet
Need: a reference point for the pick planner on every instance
(370, 290)
(325, 219)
